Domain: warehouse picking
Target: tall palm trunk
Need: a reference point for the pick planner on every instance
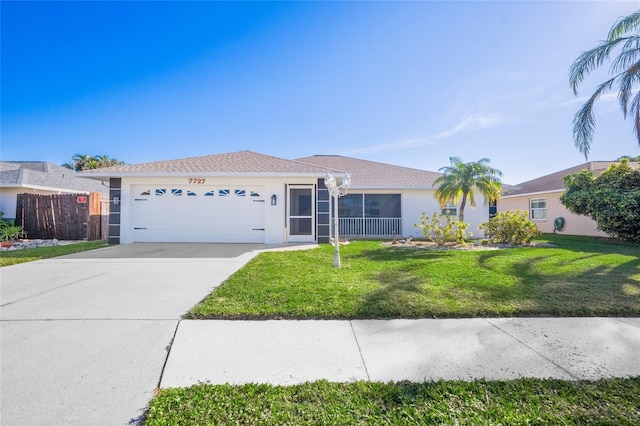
(462, 204)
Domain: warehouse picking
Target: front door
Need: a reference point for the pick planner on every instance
(301, 214)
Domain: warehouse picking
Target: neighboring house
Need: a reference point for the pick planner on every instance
(541, 198)
(248, 197)
(40, 177)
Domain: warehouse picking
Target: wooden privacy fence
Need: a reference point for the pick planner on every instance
(63, 216)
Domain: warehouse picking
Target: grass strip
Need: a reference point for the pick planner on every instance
(582, 276)
(13, 257)
(518, 402)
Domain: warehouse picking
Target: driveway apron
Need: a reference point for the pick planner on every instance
(84, 337)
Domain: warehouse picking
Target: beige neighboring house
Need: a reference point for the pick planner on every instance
(40, 177)
(541, 198)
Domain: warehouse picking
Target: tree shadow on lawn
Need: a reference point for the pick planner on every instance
(596, 290)
(406, 288)
(394, 254)
(401, 291)
(601, 245)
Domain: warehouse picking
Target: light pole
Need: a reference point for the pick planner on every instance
(336, 192)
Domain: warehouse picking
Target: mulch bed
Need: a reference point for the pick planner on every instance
(479, 245)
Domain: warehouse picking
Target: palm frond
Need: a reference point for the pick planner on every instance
(448, 193)
(472, 199)
(490, 189)
(584, 121)
(624, 25)
(635, 110)
(589, 61)
(628, 80)
(628, 55)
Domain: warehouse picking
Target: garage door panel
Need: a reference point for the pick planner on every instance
(227, 214)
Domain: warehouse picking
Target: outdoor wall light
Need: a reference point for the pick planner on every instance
(274, 200)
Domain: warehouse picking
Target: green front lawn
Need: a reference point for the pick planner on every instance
(14, 257)
(519, 402)
(582, 276)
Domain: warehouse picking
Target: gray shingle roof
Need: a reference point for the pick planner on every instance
(233, 162)
(553, 181)
(26, 174)
(364, 174)
(370, 174)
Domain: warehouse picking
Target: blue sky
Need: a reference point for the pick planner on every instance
(408, 83)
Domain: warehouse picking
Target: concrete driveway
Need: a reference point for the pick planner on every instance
(84, 337)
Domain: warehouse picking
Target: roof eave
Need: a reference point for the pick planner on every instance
(391, 187)
(95, 175)
(548, 191)
(46, 188)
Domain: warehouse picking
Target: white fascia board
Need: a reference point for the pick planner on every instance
(100, 178)
(551, 191)
(395, 188)
(203, 174)
(46, 188)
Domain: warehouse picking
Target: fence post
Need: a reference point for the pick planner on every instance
(94, 216)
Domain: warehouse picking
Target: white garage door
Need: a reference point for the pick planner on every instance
(229, 214)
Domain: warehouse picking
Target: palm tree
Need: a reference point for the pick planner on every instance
(624, 34)
(81, 162)
(106, 161)
(460, 180)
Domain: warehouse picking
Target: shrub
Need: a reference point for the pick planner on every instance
(441, 228)
(9, 231)
(612, 199)
(512, 227)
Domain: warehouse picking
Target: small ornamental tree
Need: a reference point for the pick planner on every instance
(442, 228)
(612, 199)
(459, 180)
(511, 227)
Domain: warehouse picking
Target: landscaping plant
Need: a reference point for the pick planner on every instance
(442, 228)
(612, 199)
(511, 227)
(9, 231)
(459, 181)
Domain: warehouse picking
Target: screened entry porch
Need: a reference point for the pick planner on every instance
(370, 215)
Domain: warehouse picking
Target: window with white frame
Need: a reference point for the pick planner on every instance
(538, 209)
(450, 209)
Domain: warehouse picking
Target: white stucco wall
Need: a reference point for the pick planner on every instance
(8, 201)
(417, 201)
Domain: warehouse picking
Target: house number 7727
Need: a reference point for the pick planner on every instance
(197, 181)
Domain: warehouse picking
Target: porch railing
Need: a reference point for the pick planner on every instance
(370, 226)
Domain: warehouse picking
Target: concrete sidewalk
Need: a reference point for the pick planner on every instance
(289, 352)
